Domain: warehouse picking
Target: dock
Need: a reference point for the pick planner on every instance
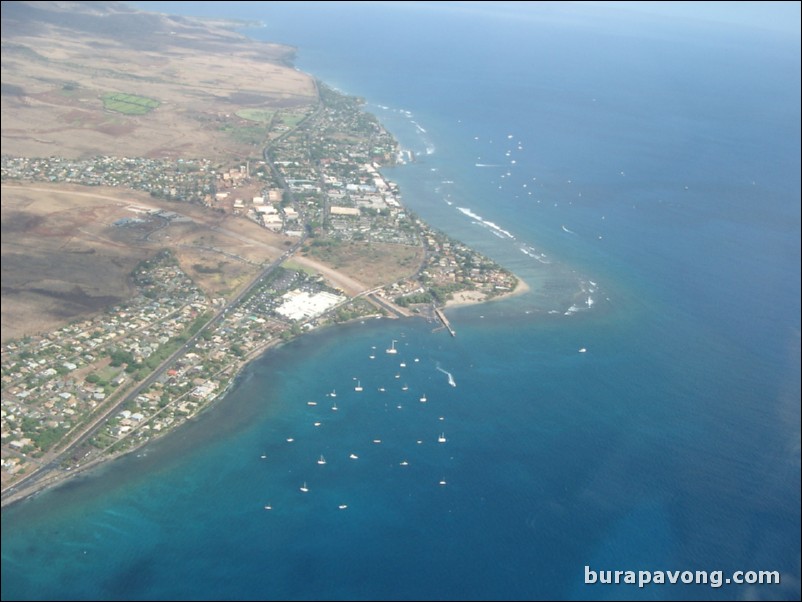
(442, 317)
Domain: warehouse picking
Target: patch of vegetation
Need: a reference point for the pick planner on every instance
(205, 269)
(294, 265)
(129, 104)
(249, 134)
(48, 437)
(70, 89)
(258, 115)
(291, 119)
(406, 301)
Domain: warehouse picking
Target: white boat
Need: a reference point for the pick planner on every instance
(334, 408)
(304, 488)
(398, 376)
(343, 506)
(423, 399)
(311, 403)
(333, 393)
(290, 439)
(263, 456)
(404, 463)
(381, 389)
(377, 441)
(582, 350)
(404, 388)
(358, 387)
(316, 423)
(321, 460)
(268, 507)
(354, 457)
(403, 365)
(392, 349)
(441, 438)
(371, 356)
(442, 481)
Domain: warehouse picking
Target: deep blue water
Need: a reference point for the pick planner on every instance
(669, 150)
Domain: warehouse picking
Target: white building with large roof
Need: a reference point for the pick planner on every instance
(300, 305)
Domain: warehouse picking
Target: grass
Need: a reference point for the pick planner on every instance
(258, 115)
(292, 119)
(250, 134)
(294, 265)
(129, 104)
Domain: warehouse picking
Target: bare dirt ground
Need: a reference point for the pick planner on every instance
(58, 262)
(63, 258)
(55, 74)
(372, 264)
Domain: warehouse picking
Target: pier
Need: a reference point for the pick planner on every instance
(442, 317)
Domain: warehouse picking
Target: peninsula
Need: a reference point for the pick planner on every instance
(168, 213)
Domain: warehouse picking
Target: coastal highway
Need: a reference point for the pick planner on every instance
(52, 463)
(50, 468)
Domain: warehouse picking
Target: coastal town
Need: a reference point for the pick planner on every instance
(107, 384)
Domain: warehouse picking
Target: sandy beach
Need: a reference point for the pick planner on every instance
(463, 298)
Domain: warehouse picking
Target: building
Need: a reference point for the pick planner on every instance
(352, 211)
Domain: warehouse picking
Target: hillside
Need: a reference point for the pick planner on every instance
(91, 78)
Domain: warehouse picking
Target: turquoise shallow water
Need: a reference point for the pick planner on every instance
(671, 443)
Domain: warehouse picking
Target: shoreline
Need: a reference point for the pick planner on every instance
(63, 476)
(52, 477)
(466, 298)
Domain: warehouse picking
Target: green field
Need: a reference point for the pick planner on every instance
(258, 115)
(129, 104)
(248, 134)
(292, 119)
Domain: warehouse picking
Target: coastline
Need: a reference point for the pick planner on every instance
(465, 298)
(633, 402)
(62, 477)
(52, 476)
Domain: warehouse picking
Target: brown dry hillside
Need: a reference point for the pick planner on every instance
(63, 61)
(63, 257)
(100, 78)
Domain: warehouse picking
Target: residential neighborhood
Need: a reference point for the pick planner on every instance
(105, 385)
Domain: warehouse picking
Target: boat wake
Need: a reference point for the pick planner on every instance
(567, 230)
(451, 380)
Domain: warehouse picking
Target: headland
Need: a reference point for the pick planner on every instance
(181, 268)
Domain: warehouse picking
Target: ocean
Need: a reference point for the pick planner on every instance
(641, 173)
